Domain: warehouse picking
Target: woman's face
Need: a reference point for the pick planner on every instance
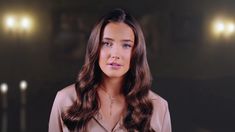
(116, 46)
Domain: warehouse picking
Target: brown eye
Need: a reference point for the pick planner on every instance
(107, 44)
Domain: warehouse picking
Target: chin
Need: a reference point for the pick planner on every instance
(114, 74)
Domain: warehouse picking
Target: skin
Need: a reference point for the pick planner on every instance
(117, 45)
(114, 61)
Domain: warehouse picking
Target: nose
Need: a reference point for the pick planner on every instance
(115, 52)
(115, 57)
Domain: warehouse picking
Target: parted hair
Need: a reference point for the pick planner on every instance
(135, 88)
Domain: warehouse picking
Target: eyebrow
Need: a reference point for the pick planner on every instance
(124, 40)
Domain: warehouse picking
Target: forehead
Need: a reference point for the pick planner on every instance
(118, 30)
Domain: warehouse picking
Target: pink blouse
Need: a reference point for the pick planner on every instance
(160, 120)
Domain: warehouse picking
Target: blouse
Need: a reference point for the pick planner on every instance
(160, 120)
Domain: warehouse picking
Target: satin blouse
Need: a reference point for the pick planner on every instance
(160, 120)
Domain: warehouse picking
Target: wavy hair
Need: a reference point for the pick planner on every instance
(136, 86)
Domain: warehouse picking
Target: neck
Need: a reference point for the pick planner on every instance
(112, 86)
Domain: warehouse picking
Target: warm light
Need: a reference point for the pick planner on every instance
(230, 27)
(10, 22)
(25, 23)
(219, 27)
(223, 28)
(19, 23)
(4, 88)
(23, 85)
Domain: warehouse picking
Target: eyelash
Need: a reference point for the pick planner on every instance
(126, 45)
(108, 44)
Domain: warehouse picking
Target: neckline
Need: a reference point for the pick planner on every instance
(118, 125)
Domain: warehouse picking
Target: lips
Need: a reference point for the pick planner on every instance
(115, 65)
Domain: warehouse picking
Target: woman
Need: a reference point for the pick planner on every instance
(112, 92)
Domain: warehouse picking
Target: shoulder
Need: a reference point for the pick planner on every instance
(63, 100)
(157, 100)
(160, 110)
(66, 96)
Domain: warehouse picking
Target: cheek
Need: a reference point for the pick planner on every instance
(102, 56)
(128, 58)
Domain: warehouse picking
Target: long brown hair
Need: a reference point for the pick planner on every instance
(136, 87)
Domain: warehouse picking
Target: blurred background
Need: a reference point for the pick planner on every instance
(190, 46)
